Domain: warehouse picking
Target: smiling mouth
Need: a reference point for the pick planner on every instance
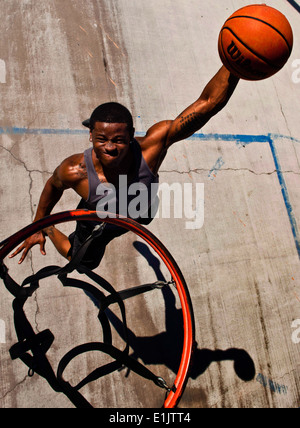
(112, 155)
(109, 157)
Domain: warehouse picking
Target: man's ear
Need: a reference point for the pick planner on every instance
(91, 137)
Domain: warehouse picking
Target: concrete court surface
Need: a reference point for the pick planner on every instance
(59, 60)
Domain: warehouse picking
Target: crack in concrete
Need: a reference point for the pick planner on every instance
(15, 386)
(23, 163)
(36, 312)
(282, 110)
(199, 170)
(30, 172)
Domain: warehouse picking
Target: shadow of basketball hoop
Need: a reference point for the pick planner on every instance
(156, 349)
(173, 348)
(33, 347)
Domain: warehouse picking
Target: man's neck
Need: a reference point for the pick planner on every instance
(111, 175)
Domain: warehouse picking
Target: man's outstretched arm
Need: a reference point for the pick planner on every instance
(214, 97)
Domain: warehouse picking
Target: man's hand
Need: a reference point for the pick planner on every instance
(51, 194)
(36, 239)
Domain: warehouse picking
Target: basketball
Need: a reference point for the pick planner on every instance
(255, 42)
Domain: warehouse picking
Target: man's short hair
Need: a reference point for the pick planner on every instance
(110, 113)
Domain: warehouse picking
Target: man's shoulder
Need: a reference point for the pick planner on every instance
(73, 160)
(72, 169)
(153, 144)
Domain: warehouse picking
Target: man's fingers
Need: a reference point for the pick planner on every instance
(18, 250)
(23, 255)
(42, 248)
(27, 245)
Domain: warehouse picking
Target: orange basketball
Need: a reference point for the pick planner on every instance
(255, 42)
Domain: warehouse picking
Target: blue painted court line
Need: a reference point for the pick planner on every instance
(32, 131)
(239, 139)
(285, 194)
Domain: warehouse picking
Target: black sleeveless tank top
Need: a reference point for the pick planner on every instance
(145, 183)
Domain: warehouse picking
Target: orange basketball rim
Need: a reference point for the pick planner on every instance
(174, 393)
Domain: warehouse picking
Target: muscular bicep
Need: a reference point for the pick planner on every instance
(57, 181)
(163, 134)
(189, 121)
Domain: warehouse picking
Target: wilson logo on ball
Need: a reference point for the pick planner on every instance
(244, 63)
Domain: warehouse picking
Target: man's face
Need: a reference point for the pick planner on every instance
(111, 143)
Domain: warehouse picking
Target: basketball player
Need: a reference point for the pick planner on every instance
(114, 152)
